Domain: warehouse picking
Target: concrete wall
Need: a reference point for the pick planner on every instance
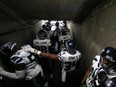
(11, 29)
(97, 32)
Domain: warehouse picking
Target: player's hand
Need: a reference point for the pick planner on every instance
(30, 49)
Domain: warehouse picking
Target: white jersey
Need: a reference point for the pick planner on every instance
(42, 44)
(96, 65)
(68, 62)
(63, 38)
(32, 68)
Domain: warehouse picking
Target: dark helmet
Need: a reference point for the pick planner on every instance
(7, 48)
(109, 53)
(44, 26)
(109, 82)
(42, 34)
(57, 24)
(70, 46)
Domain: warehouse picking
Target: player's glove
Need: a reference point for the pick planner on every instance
(35, 51)
(30, 49)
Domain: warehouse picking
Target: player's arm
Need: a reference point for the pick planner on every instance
(18, 74)
(43, 54)
(86, 75)
(39, 53)
(51, 56)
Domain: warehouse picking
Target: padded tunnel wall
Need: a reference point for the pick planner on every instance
(95, 33)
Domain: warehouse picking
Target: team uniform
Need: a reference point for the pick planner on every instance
(42, 44)
(103, 67)
(55, 38)
(69, 57)
(64, 36)
(95, 67)
(33, 70)
(25, 64)
(68, 62)
(99, 73)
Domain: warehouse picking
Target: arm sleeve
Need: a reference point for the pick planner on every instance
(17, 75)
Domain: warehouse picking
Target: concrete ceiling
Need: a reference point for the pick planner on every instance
(48, 9)
(45, 9)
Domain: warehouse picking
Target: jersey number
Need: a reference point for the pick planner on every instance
(42, 48)
(69, 65)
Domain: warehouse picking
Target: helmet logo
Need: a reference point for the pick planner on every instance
(108, 51)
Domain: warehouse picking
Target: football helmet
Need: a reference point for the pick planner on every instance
(109, 53)
(7, 48)
(43, 26)
(42, 34)
(57, 24)
(70, 46)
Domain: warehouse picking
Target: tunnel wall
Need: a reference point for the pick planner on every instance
(95, 33)
(13, 30)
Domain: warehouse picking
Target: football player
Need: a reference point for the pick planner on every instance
(48, 26)
(47, 29)
(103, 65)
(55, 38)
(25, 64)
(43, 44)
(68, 57)
(64, 36)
